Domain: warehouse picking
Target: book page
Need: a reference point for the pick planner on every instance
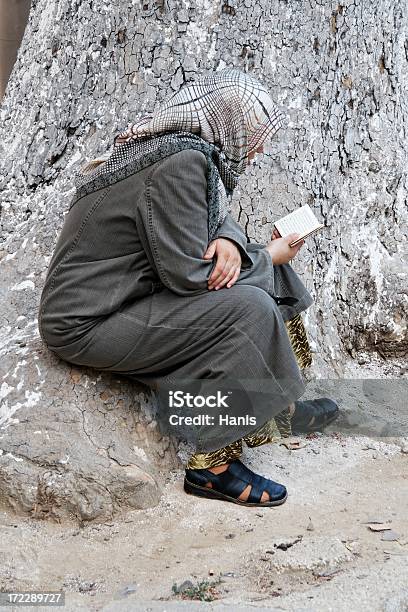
(301, 221)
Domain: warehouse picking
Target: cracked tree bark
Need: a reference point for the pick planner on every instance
(74, 443)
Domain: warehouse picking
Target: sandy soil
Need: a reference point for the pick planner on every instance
(315, 552)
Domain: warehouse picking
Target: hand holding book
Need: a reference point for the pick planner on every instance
(301, 221)
(280, 250)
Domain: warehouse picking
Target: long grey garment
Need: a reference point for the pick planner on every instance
(126, 291)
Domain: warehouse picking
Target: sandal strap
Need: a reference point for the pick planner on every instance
(234, 480)
(259, 485)
(226, 482)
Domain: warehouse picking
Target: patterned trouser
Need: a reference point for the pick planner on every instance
(272, 430)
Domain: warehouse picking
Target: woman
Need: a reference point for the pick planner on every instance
(152, 278)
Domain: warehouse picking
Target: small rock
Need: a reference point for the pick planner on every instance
(328, 574)
(127, 590)
(404, 447)
(379, 527)
(310, 526)
(75, 375)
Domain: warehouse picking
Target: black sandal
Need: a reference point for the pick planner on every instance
(323, 409)
(229, 485)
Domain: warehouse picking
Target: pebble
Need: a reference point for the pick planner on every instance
(127, 590)
(310, 526)
(404, 447)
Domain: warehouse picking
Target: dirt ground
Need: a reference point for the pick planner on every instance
(316, 552)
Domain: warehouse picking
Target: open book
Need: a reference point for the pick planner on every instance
(301, 221)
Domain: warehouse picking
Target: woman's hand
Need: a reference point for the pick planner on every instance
(228, 266)
(279, 248)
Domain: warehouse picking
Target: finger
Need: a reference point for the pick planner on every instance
(228, 275)
(297, 246)
(223, 275)
(236, 261)
(234, 278)
(291, 237)
(209, 254)
(295, 249)
(218, 270)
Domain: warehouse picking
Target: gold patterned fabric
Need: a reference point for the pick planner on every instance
(274, 429)
(300, 345)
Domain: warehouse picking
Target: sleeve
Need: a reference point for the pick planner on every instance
(172, 221)
(233, 231)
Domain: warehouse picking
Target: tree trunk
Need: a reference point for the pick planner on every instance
(75, 441)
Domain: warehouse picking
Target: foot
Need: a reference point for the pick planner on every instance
(245, 493)
(236, 483)
(313, 415)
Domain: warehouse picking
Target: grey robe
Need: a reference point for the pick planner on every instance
(126, 291)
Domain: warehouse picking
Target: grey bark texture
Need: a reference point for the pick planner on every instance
(77, 443)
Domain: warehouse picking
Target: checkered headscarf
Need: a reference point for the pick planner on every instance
(228, 108)
(226, 114)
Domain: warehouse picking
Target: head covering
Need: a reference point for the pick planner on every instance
(226, 114)
(228, 108)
